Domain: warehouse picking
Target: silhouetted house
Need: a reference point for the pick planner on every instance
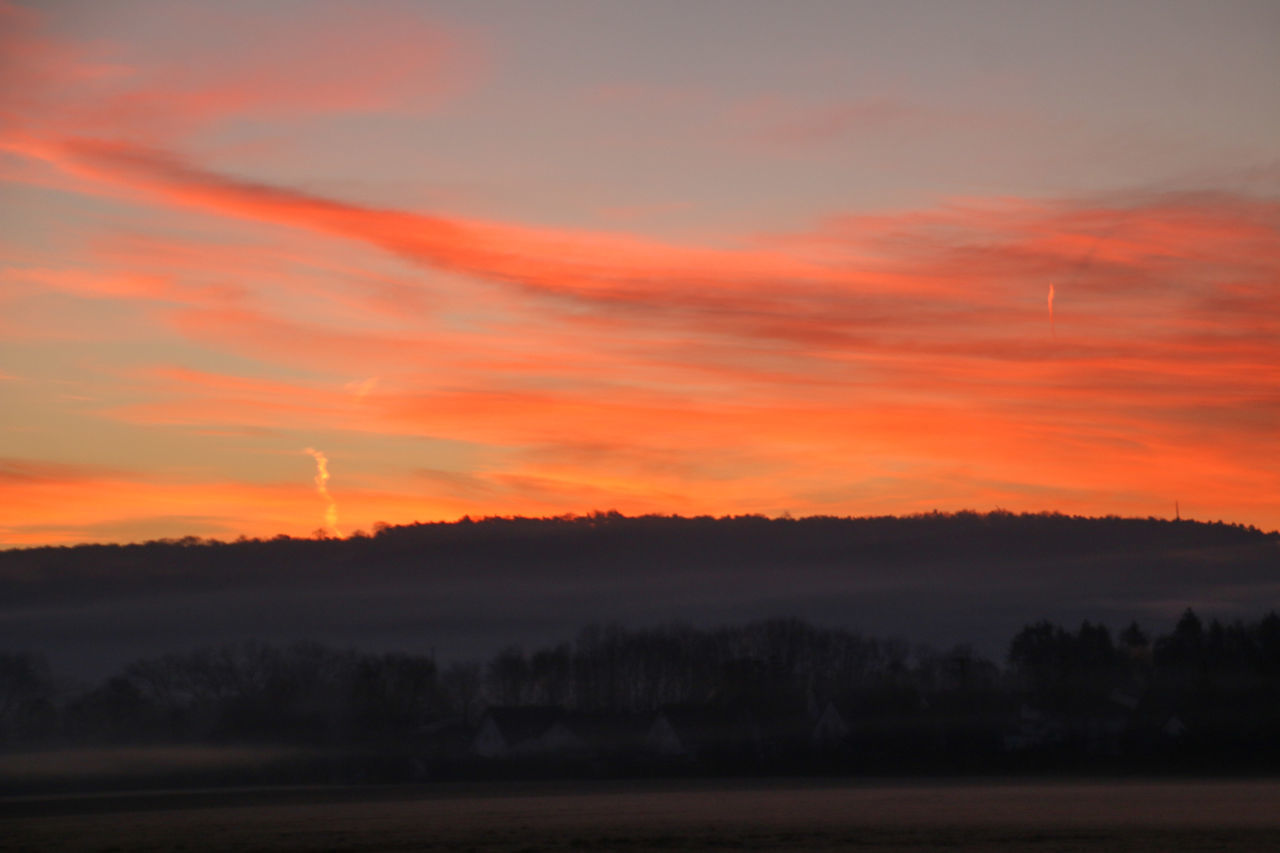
(526, 732)
(610, 735)
(831, 729)
(1173, 727)
(1124, 698)
(1105, 731)
(700, 733)
(446, 742)
(1035, 729)
(781, 733)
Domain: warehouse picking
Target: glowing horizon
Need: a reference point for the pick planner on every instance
(502, 260)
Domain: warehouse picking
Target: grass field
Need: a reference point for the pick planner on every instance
(786, 815)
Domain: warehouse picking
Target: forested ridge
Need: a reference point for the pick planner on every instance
(751, 538)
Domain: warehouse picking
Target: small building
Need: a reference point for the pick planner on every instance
(1173, 727)
(449, 738)
(1034, 729)
(1124, 698)
(526, 732)
(611, 735)
(700, 733)
(831, 729)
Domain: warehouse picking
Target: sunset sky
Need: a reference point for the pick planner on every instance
(496, 258)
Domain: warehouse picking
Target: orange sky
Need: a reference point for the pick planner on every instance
(230, 236)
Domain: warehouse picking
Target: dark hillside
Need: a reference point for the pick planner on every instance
(463, 588)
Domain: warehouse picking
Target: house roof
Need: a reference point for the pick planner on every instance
(520, 723)
(606, 729)
(695, 722)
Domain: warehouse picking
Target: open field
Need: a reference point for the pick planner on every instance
(787, 815)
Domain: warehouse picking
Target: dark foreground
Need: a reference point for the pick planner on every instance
(790, 815)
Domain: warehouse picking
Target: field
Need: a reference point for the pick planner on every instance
(759, 815)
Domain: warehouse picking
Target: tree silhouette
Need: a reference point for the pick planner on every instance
(26, 695)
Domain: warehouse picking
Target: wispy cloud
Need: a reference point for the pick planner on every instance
(779, 124)
(335, 59)
(901, 357)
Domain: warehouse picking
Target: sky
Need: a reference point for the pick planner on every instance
(306, 267)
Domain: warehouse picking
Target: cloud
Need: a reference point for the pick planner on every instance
(95, 284)
(646, 447)
(333, 60)
(1163, 371)
(50, 502)
(818, 370)
(597, 265)
(785, 126)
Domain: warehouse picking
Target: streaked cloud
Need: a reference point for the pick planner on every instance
(870, 361)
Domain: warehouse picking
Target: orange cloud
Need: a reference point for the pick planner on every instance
(1161, 380)
(331, 60)
(101, 285)
(63, 504)
(970, 270)
(872, 363)
(598, 265)
(668, 444)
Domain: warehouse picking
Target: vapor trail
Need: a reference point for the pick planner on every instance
(1053, 330)
(322, 489)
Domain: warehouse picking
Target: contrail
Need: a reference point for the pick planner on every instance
(1052, 329)
(322, 488)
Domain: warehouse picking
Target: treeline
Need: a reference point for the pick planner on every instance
(1207, 693)
(317, 694)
